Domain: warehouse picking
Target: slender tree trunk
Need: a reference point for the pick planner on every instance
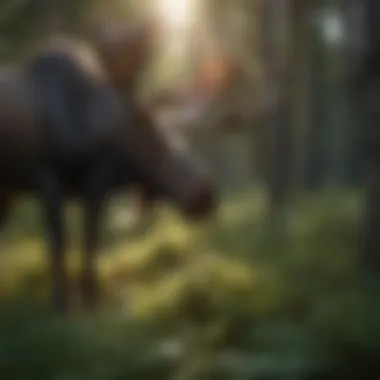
(277, 118)
(299, 81)
(315, 161)
(371, 252)
(348, 160)
(352, 170)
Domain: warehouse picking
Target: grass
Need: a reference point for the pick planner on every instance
(220, 300)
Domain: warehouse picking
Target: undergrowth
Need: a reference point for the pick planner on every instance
(219, 300)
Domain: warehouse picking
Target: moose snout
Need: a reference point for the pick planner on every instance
(201, 199)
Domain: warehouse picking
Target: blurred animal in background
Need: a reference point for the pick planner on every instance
(68, 131)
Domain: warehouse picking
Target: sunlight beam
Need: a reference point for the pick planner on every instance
(176, 13)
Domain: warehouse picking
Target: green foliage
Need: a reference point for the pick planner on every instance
(215, 301)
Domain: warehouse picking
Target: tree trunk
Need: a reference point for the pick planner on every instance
(315, 162)
(371, 252)
(277, 118)
(351, 164)
(299, 81)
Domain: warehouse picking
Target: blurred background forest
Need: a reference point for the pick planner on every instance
(279, 285)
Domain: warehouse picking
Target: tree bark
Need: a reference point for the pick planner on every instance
(277, 119)
(299, 81)
(371, 251)
(351, 163)
(315, 160)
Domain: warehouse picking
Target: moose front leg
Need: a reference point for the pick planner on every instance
(96, 188)
(89, 279)
(52, 202)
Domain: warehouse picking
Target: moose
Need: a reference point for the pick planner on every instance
(71, 127)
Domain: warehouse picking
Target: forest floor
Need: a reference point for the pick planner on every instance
(225, 299)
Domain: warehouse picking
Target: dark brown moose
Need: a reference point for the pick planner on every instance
(68, 131)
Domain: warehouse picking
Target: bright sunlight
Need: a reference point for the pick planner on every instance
(177, 13)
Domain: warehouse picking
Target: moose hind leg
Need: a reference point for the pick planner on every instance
(52, 202)
(5, 208)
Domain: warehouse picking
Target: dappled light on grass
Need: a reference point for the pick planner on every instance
(208, 276)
